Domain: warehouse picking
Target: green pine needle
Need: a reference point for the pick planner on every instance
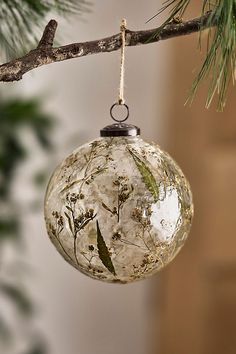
(22, 22)
(219, 64)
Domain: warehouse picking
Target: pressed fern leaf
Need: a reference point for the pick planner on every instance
(103, 252)
(147, 176)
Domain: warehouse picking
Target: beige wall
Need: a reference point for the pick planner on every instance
(198, 291)
(79, 315)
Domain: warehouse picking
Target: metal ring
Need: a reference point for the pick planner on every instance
(119, 104)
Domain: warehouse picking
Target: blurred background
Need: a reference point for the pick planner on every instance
(46, 306)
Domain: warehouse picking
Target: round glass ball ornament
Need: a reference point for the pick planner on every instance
(118, 208)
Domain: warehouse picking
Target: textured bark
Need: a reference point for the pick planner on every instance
(45, 53)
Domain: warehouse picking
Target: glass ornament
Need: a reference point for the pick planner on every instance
(118, 209)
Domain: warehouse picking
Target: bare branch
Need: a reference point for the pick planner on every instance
(46, 54)
(48, 35)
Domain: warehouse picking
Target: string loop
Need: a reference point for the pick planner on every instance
(112, 114)
(121, 99)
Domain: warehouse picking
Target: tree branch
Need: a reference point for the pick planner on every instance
(46, 54)
(48, 35)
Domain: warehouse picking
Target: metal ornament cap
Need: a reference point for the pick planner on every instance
(120, 129)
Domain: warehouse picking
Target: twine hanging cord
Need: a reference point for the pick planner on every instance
(121, 99)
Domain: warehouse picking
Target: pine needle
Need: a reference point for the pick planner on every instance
(22, 22)
(220, 61)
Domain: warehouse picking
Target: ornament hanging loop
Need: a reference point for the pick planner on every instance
(121, 99)
(112, 113)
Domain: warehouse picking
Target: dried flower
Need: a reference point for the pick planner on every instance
(60, 221)
(116, 236)
(55, 214)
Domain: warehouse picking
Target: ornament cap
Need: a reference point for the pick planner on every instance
(120, 129)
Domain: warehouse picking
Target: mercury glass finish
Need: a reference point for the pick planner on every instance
(118, 209)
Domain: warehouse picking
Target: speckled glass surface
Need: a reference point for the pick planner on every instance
(118, 209)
